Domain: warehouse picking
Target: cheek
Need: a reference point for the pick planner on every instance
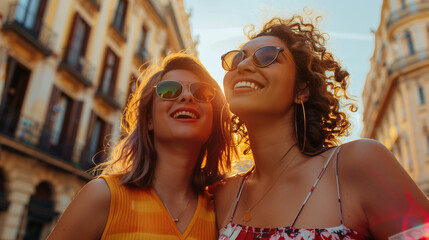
(227, 84)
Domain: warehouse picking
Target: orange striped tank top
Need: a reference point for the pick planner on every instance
(140, 214)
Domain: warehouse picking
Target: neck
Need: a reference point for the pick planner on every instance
(269, 141)
(174, 168)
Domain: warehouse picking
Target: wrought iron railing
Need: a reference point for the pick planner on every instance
(42, 137)
(30, 26)
(408, 10)
(115, 98)
(78, 66)
(409, 60)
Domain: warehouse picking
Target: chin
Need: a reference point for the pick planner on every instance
(240, 106)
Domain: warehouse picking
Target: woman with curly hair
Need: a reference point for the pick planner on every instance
(286, 91)
(175, 145)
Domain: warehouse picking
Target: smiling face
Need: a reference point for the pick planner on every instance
(182, 119)
(255, 91)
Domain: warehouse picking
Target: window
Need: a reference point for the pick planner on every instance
(97, 137)
(17, 77)
(142, 52)
(30, 14)
(77, 45)
(97, 131)
(409, 42)
(121, 10)
(108, 77)
(61, 125)
(58, 118)
(421, 95)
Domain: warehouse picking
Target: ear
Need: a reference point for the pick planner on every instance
(302, 94)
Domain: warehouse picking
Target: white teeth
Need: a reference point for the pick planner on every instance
(185, 113)
(246, 84)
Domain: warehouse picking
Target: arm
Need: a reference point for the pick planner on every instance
(86, 216)
(390, 199)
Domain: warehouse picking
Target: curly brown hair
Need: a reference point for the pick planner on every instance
(134, 157)
(324, 77)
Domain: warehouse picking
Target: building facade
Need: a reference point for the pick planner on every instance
(396, 92)
(66, 70)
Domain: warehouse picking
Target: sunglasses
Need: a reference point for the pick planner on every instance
(262, 57)
(171, 90)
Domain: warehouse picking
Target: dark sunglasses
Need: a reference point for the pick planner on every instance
(262, 57)
(171, 90)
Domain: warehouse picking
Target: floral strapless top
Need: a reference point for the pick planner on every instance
(234, 231)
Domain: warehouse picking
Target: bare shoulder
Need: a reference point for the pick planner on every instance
(225, 193)
(365, 150)
(87, 214)
(385, 191)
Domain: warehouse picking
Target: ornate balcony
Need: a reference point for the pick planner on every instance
(420, 7)
(29, 26)
(39, 138)
(114, 99)
(405, 62)
(78, 67)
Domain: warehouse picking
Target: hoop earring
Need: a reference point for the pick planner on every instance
(221, 123)
(305, 125)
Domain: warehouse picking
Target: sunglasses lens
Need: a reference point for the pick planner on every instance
(169, 89)
(202, 92)
(265, 56)
(231, 59)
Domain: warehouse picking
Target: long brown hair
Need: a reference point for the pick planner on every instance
(324, 77)
(134, 157)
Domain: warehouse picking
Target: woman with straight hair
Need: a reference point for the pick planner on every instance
(288, 94)
(155, 184)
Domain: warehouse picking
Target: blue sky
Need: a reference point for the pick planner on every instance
(218, 26)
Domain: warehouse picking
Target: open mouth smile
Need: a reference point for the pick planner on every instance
(248, 84)
(185, 114)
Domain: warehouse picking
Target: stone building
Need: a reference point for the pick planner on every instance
(395, 96)
(66, 70)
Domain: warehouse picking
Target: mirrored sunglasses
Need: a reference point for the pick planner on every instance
(262, 57)
(171, 90)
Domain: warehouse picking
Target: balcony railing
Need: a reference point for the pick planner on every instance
(413, 8)
(115, 99)
(403, 62)
(41, 137)
(30, 27)
(80, 68)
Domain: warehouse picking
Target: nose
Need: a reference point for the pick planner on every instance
(186, 95)
(246, 65)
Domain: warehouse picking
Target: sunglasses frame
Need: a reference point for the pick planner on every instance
(189, 88)
(243, 54)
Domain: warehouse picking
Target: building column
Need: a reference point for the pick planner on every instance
(20, 191)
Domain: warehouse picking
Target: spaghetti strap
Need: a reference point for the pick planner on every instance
(239, 195)
(338, 188)
(314, 185)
